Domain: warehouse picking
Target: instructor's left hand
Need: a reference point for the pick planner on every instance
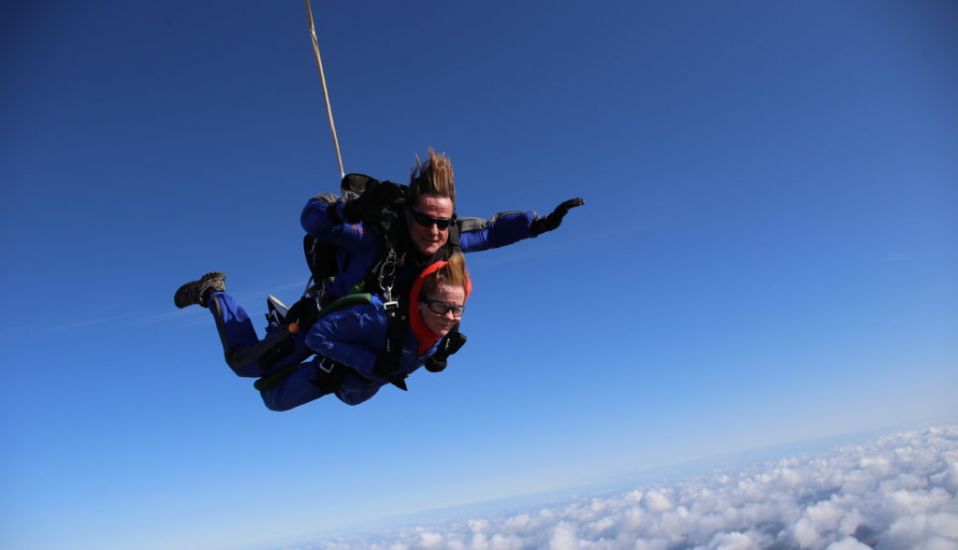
(553, 220)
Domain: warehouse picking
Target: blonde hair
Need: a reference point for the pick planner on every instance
(432, 177)
(454, 273)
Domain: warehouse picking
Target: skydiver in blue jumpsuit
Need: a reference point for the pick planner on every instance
(424, 212)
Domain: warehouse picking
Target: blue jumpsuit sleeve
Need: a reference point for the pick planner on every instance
(323, 220)
(502, 229)
(352, 336)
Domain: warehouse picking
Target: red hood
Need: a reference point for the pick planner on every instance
(424, 336)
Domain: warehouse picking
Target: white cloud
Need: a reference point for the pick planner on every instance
(898, 492)
(848, 543)
(564, 537)
(737, 541)
(658, 500)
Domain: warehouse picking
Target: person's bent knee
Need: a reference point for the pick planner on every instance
(274, 404)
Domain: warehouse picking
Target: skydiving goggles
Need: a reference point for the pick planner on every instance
(429, 221)
(441, 308)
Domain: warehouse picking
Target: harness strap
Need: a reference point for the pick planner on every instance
(329, 375)
(397, 327)
(453, 237)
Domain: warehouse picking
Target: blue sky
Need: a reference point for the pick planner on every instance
(767, 254)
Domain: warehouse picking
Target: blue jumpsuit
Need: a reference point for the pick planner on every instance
(354, 336)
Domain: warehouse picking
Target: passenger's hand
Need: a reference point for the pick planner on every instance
(450, 344)
(377, 196)
(553, 220)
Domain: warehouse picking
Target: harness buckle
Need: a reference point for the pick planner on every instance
(387, 272)
(327, 365)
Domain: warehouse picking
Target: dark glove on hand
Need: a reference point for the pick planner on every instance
(552, 221)
(449, 345)
(377, 196)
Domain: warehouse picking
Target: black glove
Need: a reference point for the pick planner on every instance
(449, 345)
(552, 221)
(377, 196)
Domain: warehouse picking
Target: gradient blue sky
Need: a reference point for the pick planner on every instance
(768, 253)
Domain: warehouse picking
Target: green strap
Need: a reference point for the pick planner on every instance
(349, 300)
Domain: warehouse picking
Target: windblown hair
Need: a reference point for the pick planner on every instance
(453, 274)
(433, 177)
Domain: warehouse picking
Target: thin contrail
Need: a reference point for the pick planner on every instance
(135, 316)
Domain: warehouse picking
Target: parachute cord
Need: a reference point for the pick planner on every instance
(322, 78)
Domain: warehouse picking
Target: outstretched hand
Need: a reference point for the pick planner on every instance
(553, 220)
(377, 196)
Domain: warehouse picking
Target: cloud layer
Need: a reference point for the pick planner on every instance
(898, 492)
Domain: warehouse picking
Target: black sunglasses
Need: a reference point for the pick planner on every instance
(441, 308)
(429, 221)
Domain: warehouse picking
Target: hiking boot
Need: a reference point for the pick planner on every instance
(275, 312)
(196, 292)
